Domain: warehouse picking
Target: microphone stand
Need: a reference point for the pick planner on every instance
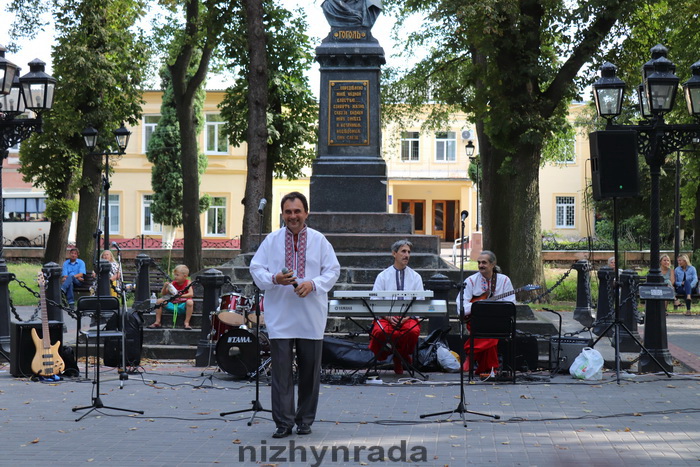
(461, 406)
(123, 374)
(257, 406)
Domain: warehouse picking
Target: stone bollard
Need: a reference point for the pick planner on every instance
(104, 289)
(440, 285)
(52, 272)
(5, 318)
(583, 313)
(606, 301)
(143, 281)
(629, 282)
(211, 280)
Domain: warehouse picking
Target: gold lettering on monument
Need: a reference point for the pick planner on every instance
(348, 113)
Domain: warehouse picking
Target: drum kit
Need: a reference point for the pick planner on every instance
(236, 346)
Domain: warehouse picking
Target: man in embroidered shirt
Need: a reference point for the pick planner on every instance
(402, 331)
(489, 282)
(73, 274)
(296, 267)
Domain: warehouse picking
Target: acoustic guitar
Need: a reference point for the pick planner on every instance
(485, 296)
(47, 361)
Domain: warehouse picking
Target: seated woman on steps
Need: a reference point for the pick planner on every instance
(179, 283)
(686, 280)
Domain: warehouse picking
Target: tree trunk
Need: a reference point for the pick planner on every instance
(510, 197)
(257, 134)
(57, 242)
(87, 212)
(190, 193)
(696, 222)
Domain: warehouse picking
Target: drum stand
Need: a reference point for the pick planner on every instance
(461, 406)
(257, 406)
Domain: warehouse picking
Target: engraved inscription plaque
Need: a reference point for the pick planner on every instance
(348, 113)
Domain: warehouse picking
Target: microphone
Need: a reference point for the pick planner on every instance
(261, 206)
(465, 214)
(286, 271)
(116, 245)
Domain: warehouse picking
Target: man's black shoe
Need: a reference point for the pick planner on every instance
(303, 429)
(282, 432)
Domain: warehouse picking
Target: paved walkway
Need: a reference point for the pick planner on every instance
(544, 421)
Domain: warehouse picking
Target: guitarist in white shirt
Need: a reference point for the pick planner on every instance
(480, 287)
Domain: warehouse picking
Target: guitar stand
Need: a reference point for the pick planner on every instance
(461, 406)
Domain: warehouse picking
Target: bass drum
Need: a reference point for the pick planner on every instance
(236, 352)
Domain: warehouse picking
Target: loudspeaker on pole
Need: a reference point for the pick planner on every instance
(614, 164)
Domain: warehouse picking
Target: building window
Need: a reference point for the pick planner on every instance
(113, 206)
(410, 146)
(215, 140)
(150, 122)
(216, 216)
(445, 146)
(149, 225)
(566, 212)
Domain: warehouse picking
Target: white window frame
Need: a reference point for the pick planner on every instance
(217, 127)
(565, 205)
(215, 209)
(412, 143)
(155, 228)
(114, 205)
(572, 148)
(445, 146)
(148, 129)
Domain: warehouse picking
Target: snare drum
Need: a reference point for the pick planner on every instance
(236, 352)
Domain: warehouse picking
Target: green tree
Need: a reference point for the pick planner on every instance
(164, 152)
(291, 112)
(99, 62)
(192, 46)
(512, 66)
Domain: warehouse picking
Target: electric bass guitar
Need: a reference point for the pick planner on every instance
(47, 361)
(525, 288)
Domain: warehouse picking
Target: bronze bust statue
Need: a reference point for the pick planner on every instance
(351, 13)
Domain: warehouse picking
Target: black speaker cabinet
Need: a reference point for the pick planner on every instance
(526, 353)
(614, 164)
(571, 347)
(22, 347)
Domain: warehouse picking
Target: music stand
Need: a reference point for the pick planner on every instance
(492, 320)
(97, 305)
(461, 406)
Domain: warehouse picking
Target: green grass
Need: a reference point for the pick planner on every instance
(27, 273)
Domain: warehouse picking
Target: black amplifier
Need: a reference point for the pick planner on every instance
(568, 348)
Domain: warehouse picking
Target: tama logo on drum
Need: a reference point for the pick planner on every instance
(239, 340)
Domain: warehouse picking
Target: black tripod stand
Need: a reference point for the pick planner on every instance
(618, 323)
(461, 406)
(257, 406)
(96, 400)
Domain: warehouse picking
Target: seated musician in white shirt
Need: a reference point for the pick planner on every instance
(403, 332)
(488, 283)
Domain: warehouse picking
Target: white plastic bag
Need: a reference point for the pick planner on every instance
(446, 359)
(588, 365)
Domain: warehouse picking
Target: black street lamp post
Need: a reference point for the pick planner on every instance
(469, 150)
(32, 92)
(655, 140)
(121, 135)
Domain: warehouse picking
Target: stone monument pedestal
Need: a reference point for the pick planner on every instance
(349, 173)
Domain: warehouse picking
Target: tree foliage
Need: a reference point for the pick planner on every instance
(98, 63)
(514, 68)
(194, 36)
(291, 112)
(164, 151)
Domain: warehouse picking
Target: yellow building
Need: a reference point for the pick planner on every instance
(427, 177)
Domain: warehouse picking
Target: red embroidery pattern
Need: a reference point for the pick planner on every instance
(300, 266)
(301, 254)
